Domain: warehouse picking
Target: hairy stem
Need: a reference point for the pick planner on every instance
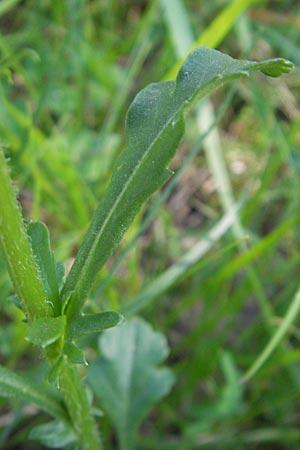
(18, 251)
(79, 407)
(29, 287)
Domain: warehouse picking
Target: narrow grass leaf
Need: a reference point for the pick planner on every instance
(290, 316)
(177, 270)
(259, 248)
(228, 404)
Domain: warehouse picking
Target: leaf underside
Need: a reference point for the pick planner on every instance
(154, 128)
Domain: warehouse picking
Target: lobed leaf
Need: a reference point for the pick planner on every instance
(154, 127)
(126, 378)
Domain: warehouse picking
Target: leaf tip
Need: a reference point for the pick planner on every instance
(278, 67)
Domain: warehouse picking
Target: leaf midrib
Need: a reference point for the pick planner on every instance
(115, 205)
(136, 169)
(84, 268)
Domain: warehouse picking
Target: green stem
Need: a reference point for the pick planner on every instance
(18, 251)
(31, 292)
(79, 407)
(126, 440)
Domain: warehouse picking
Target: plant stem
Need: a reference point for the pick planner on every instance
(32, 295)
(79, 407)
(18, 251)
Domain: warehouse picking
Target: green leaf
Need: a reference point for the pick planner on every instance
(154, 128)
(56, 434)
(17, 56)
(55, 370)
(40, 242)
(14, 299)
(126, 378)
(87, 324)
(46, 330)
(229, 401)
(74, 353)
(94, 323)
(14, 386)
(169, 277)
(60, 273)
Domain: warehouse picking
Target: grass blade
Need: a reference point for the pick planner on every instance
(173, 273)
(278, 336)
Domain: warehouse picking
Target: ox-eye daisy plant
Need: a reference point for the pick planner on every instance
(53, 302)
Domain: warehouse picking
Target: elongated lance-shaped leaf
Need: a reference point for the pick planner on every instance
(40, 242)
(14, 386)
(154, 127)
(94, 323)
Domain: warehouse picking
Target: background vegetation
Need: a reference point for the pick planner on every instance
(71, 70)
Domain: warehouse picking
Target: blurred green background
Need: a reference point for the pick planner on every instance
(70, 69)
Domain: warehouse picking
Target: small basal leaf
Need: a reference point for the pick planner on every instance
(60, 273)
(14, 386)
(74, 353)
(46, 330)
(94, 323)
(55, 370)
(154, 128)
(127, 379)
(14, 299)
(56, 434)
(40, 242)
